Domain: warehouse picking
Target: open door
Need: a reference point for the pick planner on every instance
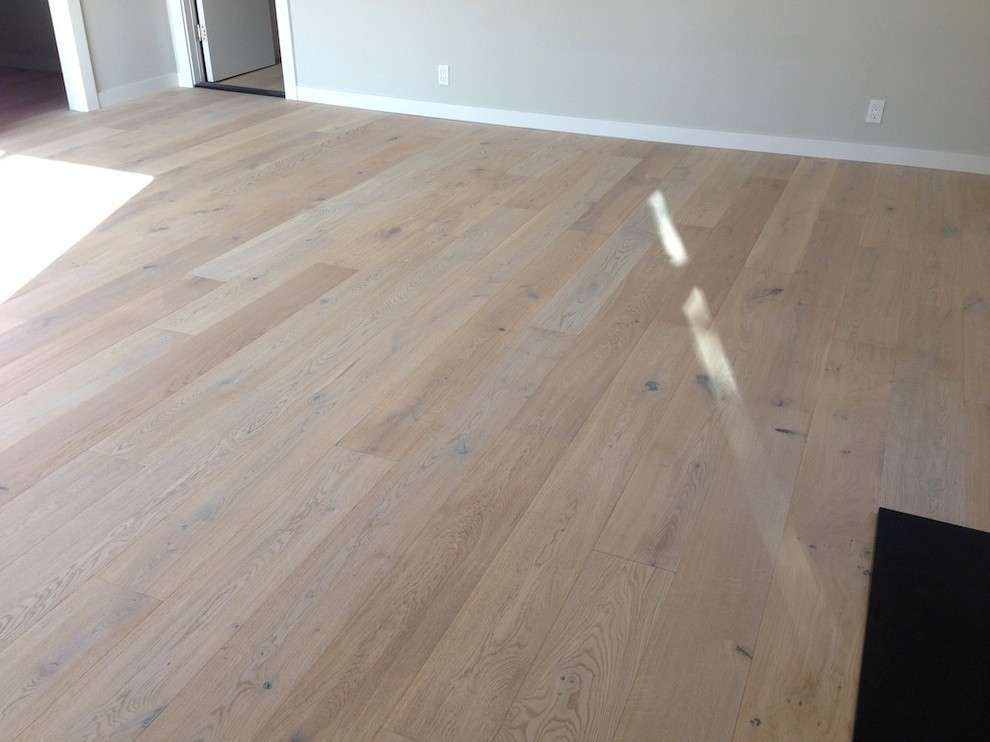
(236, 35)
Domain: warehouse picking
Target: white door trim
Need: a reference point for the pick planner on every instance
(73, 55)
(189, 63)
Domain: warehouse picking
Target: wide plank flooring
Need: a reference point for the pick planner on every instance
(353, 426)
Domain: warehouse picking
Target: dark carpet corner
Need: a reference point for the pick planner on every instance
(926, 658)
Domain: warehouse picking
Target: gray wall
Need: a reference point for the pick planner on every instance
(26, 36)
(129, 41)
(793, 68)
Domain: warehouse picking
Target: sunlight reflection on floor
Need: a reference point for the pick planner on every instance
(48, 206)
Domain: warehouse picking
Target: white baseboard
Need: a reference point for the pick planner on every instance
(653, 133)
(30, 62)
(139, 89)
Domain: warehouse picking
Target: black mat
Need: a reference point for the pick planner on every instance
(926, 659)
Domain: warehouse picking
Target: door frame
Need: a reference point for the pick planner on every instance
(189, 61)
(73, 55)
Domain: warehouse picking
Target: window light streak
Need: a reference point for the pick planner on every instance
(708, 346)
(670, 238)
(47, 206)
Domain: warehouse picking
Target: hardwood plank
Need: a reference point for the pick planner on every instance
(577, 687)
(58, 498)
(44, 450)
(810, 304)
(213, 523)
(406, 413)
(871, 307)
(356, 674)
(851, 188)
(890, 217)
(608, 212)
(780, 245)
(465, 687)
(706, 206)
(716, 256)
(655, 516)
(43, 357)
(801, 684)
(977, 466)
(57, 652)
(693, 671)
(573, 307)
(34, 409)
(340, 371)
(974, 291)
(134, 683)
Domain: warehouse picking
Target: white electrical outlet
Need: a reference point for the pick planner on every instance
(874, 114)
(443, 74)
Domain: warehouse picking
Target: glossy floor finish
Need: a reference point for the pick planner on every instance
(351, 426)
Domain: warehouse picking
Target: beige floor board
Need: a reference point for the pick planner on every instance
(78, 320)
(386, 736)
(55, 654)
(315, 221)
(407, 412)
(891, 217)
(716, 256)
(44, 575)
(977, 466)
(655, 515)
(790, 374)
(611, 210)
(780, 244)
(34, 409)
(693, 671)
(234, 295)
(339, 371)
(924, 464)
(716, 193)
(974, 292)
(681, 182)
(315, 482)
(39, 356)
(58, 498)
(134, 682)
(560, 407)
(776, 167)
(218, 145)
(871, 307)
(851, 188)
(46, 449)
(370, 544)
(465, 687)
(802, 683)
(575, 306)
(577, 687)
(54, 146)
(564, 173)
(355, 675)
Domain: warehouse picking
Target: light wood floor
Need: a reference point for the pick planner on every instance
(353, 426)
(267, 78)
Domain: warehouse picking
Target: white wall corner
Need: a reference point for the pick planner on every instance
(856, 151)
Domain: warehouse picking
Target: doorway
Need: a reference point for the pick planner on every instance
(239, 43)
(190, 65)
(31, 80)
